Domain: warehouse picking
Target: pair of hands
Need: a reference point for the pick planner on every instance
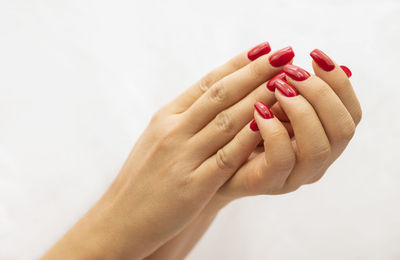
(202, 147)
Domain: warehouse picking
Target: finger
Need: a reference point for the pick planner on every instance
(186, 99)
(312, 144)
(267, 172)
(217, 169)
(336, 120)
(337, 78)
(281, 115)
(234, 87)
(228, 123)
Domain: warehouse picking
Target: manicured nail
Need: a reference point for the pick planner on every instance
(271, 82)
(254, 126)
(285, 88)
(259, 50)
(346, 70)
(323, 61)
(295, 72)
(281, 57)
(263, 110)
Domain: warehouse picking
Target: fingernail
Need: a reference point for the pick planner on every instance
(254, 126)
(263, 110)
(323, 61)
(295, 72)
(271, 82)
(285, 88)
(346, 70)
(258, 51)
(281, 57)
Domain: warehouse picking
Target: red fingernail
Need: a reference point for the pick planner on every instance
(295, 72)
(253, 125)
(285, 88)
(270, 83)
(346, 70)
(323, 61)
(263, 110)
(259, 50)
(281, 57)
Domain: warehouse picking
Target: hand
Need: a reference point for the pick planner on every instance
(314, 129)
(181, 160)
(304, 137)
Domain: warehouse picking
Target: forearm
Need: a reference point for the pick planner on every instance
(87, 239)
(180, 246)
(105, 232)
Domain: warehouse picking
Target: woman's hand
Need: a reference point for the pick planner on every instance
(306, 134)
(311, 131)
(191, 147)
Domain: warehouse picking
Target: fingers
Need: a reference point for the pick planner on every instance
(228, 122)
(234, 87)
(217, 169)
(280, 114)
(267, 172)
(337, 78)
(311, 143)
(188, 97)
(336, 120)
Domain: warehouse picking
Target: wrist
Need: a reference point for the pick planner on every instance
(217, 203)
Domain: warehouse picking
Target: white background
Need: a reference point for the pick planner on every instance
(79, 81)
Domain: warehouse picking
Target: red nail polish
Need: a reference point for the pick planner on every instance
(295, 72)
(285, 88)
(270, 83)
(258, 51)
(253, 125)
(346, 70)
(263, 110)
(281, 57)
(323, 61)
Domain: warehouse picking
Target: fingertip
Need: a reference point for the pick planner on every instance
(346, 70)
(254, 126)
(259, 50)
(285, 89)
(322, 60)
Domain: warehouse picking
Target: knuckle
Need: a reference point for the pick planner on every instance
(237, 62)
(166, 137)
(164, 141)
(207, 81)
(280, 162)
(257, 69)
(224, 122)
(357, 116)
(291, 188)
(347, 130)
(223, 162)
(218, 92)
(291, 185)
(156, 117)
(319, 155)
(315, 179)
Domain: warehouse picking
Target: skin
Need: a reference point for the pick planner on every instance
(198, 154)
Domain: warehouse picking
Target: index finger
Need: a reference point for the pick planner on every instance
(189, 96)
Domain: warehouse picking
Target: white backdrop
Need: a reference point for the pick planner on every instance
(79, 81)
